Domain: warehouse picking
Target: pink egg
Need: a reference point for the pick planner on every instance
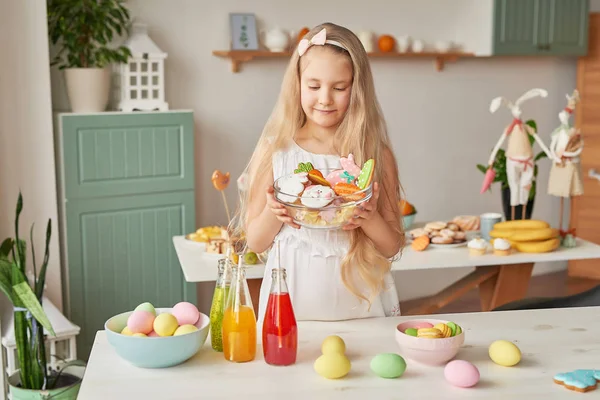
(461, 373)
(153, 334)
(186, 313)
(420, 325)
(140, 322)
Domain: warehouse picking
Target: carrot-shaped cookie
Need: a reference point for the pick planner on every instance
(420, 243)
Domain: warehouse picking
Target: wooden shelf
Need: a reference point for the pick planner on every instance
(238, 57)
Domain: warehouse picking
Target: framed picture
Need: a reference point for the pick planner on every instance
(244, 34)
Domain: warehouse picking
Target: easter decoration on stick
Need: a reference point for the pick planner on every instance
(519, 153)
(220, 181)
(565, 174)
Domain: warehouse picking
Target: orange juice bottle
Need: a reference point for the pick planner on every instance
(239, 321)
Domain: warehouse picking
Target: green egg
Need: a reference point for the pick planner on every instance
(453, 328)
(411, 331)
(146, 307)
(388, 365)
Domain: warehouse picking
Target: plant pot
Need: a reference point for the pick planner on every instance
(518, 209)
(88, 88)
(67, 387)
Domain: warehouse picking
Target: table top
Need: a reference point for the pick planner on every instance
(551, 341)
(199, 266)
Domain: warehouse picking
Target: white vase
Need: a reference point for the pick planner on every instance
(276, 40)
(367, 40)
(88, 88)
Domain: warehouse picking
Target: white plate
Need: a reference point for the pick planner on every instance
(447, 246)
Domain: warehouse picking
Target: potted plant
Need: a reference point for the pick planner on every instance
(499, 167)
(33, 380)
(83, 30)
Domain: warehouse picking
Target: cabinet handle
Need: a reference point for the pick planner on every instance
(592, 173)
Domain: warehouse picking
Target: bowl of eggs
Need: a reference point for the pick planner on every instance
(324, 198)
(429, 341)
(149, 337)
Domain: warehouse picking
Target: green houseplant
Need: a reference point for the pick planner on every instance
(83, 30)
(499, 167)
(33, 380)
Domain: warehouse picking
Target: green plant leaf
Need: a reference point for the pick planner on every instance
(39, 285)
(5, 248)
(6, 278)
(540, 155)
(30, 301)
(482, 168)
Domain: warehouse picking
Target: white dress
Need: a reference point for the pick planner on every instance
(312, 259)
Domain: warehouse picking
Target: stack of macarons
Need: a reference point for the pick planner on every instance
(430, 331)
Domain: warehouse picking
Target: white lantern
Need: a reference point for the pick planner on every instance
(142, 82)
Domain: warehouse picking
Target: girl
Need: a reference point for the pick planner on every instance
(327, 107)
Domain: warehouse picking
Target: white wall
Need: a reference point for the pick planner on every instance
(26, 146)
(439, 122)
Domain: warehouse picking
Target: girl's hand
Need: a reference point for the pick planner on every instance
(279, 210)
(364, 212)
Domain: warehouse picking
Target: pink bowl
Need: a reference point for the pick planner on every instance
(427, 351)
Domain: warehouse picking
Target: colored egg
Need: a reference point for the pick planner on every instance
(126, 332)
(153, 334)
(333, 345)
(146, 307)
(139, 335)
(461, 373)
(504, 353)
(186, 313)
(332, 366)
(388, 365)
(140, 322)
(183, 329)
(411, 331)
(165, 324)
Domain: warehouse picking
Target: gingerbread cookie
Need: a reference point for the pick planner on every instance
(317, 196)
(366, 174)
(580, 380)
(291, 186)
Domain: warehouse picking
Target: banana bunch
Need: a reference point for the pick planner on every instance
(207, 233)
(528, 235)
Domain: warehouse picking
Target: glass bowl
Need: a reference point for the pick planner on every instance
(334, 215)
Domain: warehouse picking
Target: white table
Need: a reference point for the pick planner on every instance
(501, 279)
(551, 341)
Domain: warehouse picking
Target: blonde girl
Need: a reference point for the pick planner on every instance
(327, 108)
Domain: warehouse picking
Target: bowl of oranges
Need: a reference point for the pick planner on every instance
(408, 212)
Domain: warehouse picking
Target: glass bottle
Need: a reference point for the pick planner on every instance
(239, 321)
(218, 303)
(280, 331)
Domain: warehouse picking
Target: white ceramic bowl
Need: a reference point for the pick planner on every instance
(424, 350)
(155, 352)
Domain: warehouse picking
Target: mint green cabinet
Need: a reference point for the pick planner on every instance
(540, 27)
(126, 188)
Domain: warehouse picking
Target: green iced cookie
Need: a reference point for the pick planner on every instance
(366, 174)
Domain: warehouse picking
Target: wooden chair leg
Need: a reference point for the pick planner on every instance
(254, 288)
(510, 284)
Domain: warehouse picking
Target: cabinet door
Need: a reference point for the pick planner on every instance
(567, 26)
(516, 27)
(121, 254)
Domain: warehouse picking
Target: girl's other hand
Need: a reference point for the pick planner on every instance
(279, 210)
(365, 211)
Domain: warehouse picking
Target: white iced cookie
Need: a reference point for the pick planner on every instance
(477, 243)
(291, 186)
(317, 196)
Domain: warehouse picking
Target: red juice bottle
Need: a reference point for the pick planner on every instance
(280, 331)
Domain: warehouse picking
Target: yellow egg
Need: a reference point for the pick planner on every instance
(183, 329)
(126, 332)
(332, 366)
(165, 324)
(333, 345)
(139, 335)
(504, 353)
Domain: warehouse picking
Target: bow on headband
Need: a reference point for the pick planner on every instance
(319, 39)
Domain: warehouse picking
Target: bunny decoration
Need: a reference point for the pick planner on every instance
(519, 153)
(566, 146)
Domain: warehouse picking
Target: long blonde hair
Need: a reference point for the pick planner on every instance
(362, 132)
